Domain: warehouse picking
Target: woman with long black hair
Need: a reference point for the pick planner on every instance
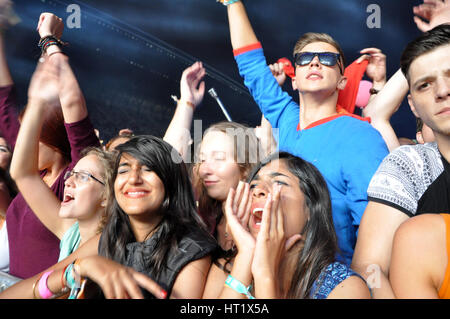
(289, 248)
(153, 225)
(153, 237)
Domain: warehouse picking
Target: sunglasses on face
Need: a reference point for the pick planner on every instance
(81, 176)
(325, 58)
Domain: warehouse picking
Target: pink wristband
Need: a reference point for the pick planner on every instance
(43, 289)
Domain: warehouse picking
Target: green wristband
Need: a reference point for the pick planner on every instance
(238, 286)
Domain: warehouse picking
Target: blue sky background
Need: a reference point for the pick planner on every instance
(129, 55)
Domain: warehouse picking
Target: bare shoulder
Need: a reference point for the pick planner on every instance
(190, 282)
(421, 239)
(421, 230)
(419, 251)
(351, 288)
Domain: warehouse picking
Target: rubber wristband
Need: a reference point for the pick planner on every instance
(43, 288)
(238, 286)
(63, 278)
(68, 275)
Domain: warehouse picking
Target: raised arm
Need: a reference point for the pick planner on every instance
(70, 95)
(7, 19)
(9, 124)
(376, 69)
(436, 12)
(42, 93)
(264, 132)
(276, 105)
(5, 75)
(381, 108)
(192, 90)
(241, 31)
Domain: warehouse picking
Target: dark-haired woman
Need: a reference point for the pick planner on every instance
(154, 211)
(153, 229)
(225, 156)
(289, 248)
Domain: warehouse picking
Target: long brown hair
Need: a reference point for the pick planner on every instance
(53, 132)
(107, 161)
(210, 208)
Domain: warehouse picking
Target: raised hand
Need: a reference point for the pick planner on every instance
(436, 12)
(44, 84)
(278, 72)
(192, 90)
(8, 17)
(50, 24)
(376, 69)
(237, 213)
(70, 94)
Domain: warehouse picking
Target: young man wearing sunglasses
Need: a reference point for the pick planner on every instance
(347, 151)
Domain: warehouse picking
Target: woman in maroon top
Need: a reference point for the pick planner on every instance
(65, 133)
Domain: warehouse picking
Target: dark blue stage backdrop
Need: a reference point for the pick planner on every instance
(129, 55)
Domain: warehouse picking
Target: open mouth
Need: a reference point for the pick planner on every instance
(257, 217)
(68, 198)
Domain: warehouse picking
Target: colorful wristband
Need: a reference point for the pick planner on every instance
(47, 41)
(238, 286)
(43, 288)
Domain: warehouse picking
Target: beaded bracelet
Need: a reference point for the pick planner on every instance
(238, 286)
(227, 2)
(47, 41)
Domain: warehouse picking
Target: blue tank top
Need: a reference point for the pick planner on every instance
(329, 278)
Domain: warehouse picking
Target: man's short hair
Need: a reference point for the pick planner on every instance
(425, 43)
(312, 37)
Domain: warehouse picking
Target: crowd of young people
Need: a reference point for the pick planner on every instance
(310, 212)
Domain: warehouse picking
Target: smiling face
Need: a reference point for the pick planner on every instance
(84, 199)
(316, 77)
(5, 154)
(429, 79)
(292, 201)
(218, 170)
(138, 190)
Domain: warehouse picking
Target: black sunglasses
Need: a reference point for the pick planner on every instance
(325, 58)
